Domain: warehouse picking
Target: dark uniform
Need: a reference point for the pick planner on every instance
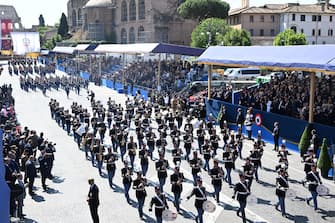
(160, 203)
(217, 175)
(281, 187)
(139, 186)
(200, 198)
(176, 180)
(242, 191)
(314, 181)
(161, 167)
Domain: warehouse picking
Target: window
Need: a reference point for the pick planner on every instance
(314, 18)
(251, 18)
(132, 35)
(319, 32)
(330, 32)
(302, 18)
(293, 17)
(272, 18)
(80, 17)
(141, 9)
(313, 32)
(251, 32)
(74, 18)
(272, 32)
(261, 33)
(302, 30)
(330, 18)
(262, 18)
(141, 34)
(124, 11)
(319, 18)
(132, 10)
(123, 36)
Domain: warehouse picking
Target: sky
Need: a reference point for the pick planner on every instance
(29, 10)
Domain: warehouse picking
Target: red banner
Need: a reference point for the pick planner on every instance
(6, 27)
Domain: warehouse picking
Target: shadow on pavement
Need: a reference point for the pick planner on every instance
(262, 201)
(52, 191)
(298, 218)
(38, 198)
(266, 184)
(58, 180)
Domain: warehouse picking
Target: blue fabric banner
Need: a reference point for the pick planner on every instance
(4, 189)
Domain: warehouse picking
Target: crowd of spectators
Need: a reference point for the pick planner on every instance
(20, 148)
(289, 95)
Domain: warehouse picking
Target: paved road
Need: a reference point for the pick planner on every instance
(66, 200)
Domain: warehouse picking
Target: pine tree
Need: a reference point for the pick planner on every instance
(305, 140)
(63, 28)
(324, 162)
(41, 21)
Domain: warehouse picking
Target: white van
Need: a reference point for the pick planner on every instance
(242, 73)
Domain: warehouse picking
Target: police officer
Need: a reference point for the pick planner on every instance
(200, 197)
(242, 191)
(275, 134)
(176, 180)
(160, 203)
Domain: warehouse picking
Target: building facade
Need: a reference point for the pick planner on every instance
(265, 22)
(131, 21)
(10, 21)
(317, 22)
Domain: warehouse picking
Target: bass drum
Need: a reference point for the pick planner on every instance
(209, 206)
(322, 190)
(169, 215)
(252, 199)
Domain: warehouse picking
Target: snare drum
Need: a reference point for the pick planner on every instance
(322, 190)
(252, 199)
(290, 193)
(209, 206)
(169, 215)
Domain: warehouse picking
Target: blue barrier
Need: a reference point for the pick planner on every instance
(120, 89)
(4, 189)
(291, 129)
(85, 75)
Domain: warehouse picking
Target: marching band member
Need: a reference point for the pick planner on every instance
(143, 155)
(200, 197)
(313, 180)
(177, 154)
(110, 159)
(217, 175)
(139, 186)
(207, 149)
(195, 164)
(161, 167)
(229, 158)
(242, 191)
(126, 173)
(177, 179)
(281, 188)
(159, 200)
(248, 170)
(255, 158)
(131, 147)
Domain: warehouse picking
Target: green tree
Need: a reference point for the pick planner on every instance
(324, 162)
(63, 28)
(289, 37)
(203, 9)
(206, 32)
(305, 140)
(51, 43)
(41, 21)
(235, 37)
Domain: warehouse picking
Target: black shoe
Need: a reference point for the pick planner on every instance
(285, 215)
(307, 201)
(32, 193)
(238, 213)
(276, 207)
